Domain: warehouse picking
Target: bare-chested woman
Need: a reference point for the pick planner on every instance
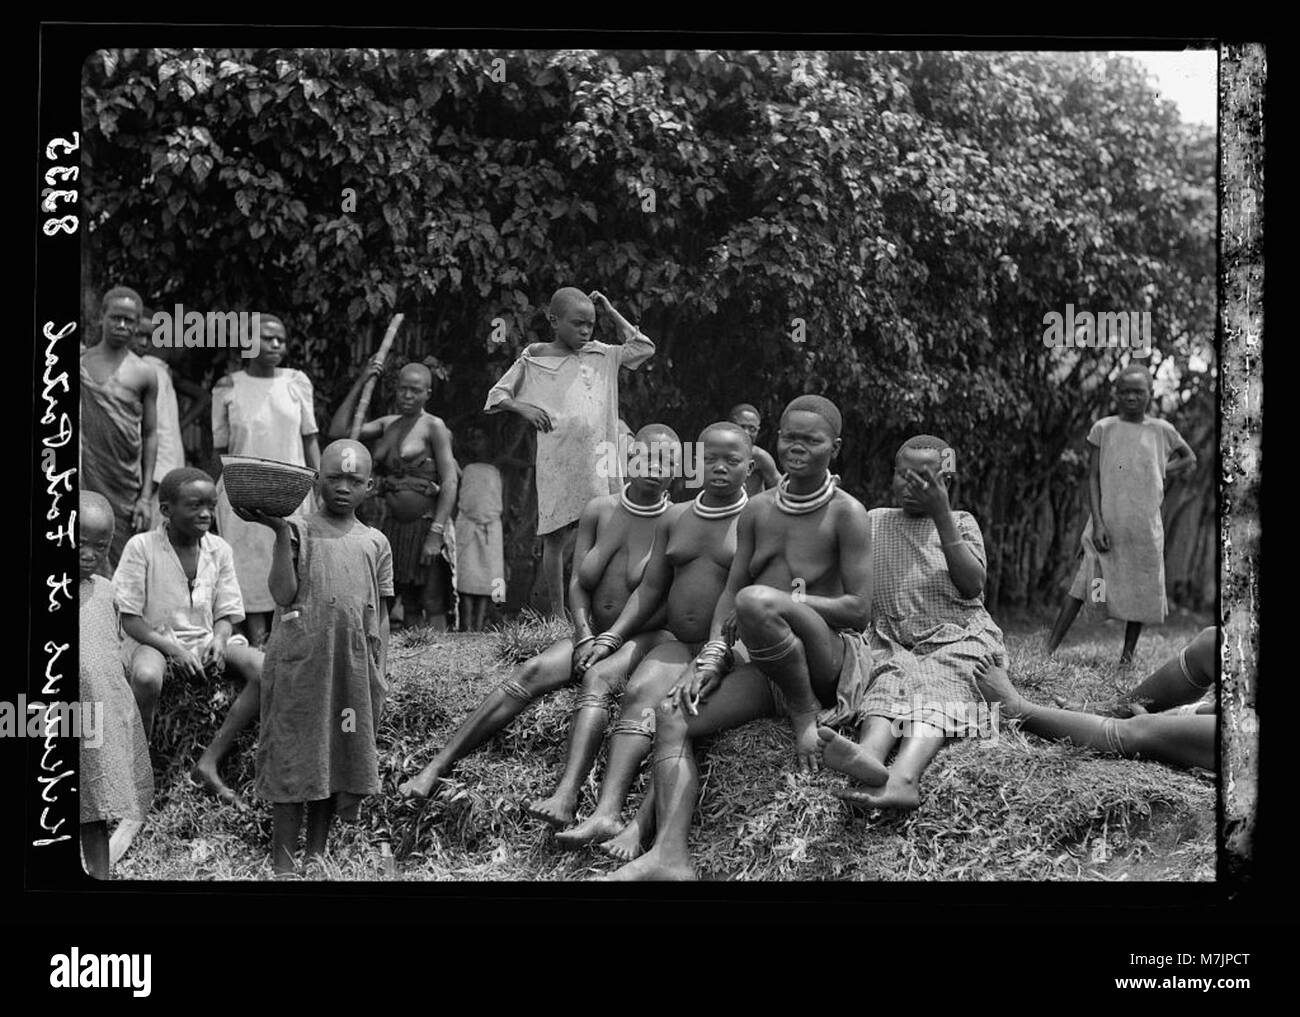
(687, 572)
(616, 535)
(798, 598)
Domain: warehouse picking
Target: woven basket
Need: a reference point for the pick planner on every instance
(266, 485)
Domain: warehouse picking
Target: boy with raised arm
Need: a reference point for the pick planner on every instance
(568, 390)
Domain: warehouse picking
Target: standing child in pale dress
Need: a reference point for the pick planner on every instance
(568, 390)
(116, 778)
(268, 411)
(1133, 459)
(324, 681)
(480, 548)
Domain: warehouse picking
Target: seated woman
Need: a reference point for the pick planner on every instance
(687, 571)
(616, 535)
(929, 631)
(1178, 737)
(797, 596)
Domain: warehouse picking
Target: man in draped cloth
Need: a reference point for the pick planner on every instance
(119, 442)
(568, 390)
(417, 480)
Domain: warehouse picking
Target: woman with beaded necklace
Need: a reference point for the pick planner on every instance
(797, 597)
(616, 535)
(686, 573)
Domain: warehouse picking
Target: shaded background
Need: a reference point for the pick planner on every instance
(918, 213)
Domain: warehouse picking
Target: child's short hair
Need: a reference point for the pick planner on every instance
(170, 488)
(730, 426)
(1135, 370)
(120, 292)
(265, 316)
(740, 408)
(924, 441)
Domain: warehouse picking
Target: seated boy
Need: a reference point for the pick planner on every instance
(176, 591)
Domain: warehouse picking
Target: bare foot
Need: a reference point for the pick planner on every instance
(807, 746)
(651, 866)
(843, 756)
(996, 687)
(558, 810)
(593, 830)
(422, 783)
(629, 844)
(205, 775)
(896, 794)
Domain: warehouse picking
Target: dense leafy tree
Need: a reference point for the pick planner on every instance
(889, 229)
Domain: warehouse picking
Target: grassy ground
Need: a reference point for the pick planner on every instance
(1020, 809)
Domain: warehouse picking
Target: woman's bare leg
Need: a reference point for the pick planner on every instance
(902, 788)
(631, 840)
(587, 728)
(792, 645)
(549, 670)
(630, 742)
(1181, 740)
(742, 697)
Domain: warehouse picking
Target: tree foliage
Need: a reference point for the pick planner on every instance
(888, 229)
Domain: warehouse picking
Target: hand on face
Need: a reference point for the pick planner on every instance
(927, 490)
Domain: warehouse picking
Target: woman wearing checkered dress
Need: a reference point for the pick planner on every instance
(929, 630)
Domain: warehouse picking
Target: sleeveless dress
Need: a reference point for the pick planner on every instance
(116, 778)
(479, 543)
(324, 680)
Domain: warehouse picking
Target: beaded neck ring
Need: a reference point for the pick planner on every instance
(722, 511)
(801, 504)
(647, 512)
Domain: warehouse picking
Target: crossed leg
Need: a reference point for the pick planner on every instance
(601, 685)
(793, 646)
(917, 747)
(743, 696)
(630, 742)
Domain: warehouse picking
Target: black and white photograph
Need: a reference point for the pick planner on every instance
(548, 464)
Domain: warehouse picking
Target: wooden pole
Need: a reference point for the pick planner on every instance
(367, 390)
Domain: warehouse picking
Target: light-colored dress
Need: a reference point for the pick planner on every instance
(324, 681)
(167, 427)
(479, 543)
(1132, 474)
(926, 638)
(580, 394)
(116, 777)
(265, 417)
